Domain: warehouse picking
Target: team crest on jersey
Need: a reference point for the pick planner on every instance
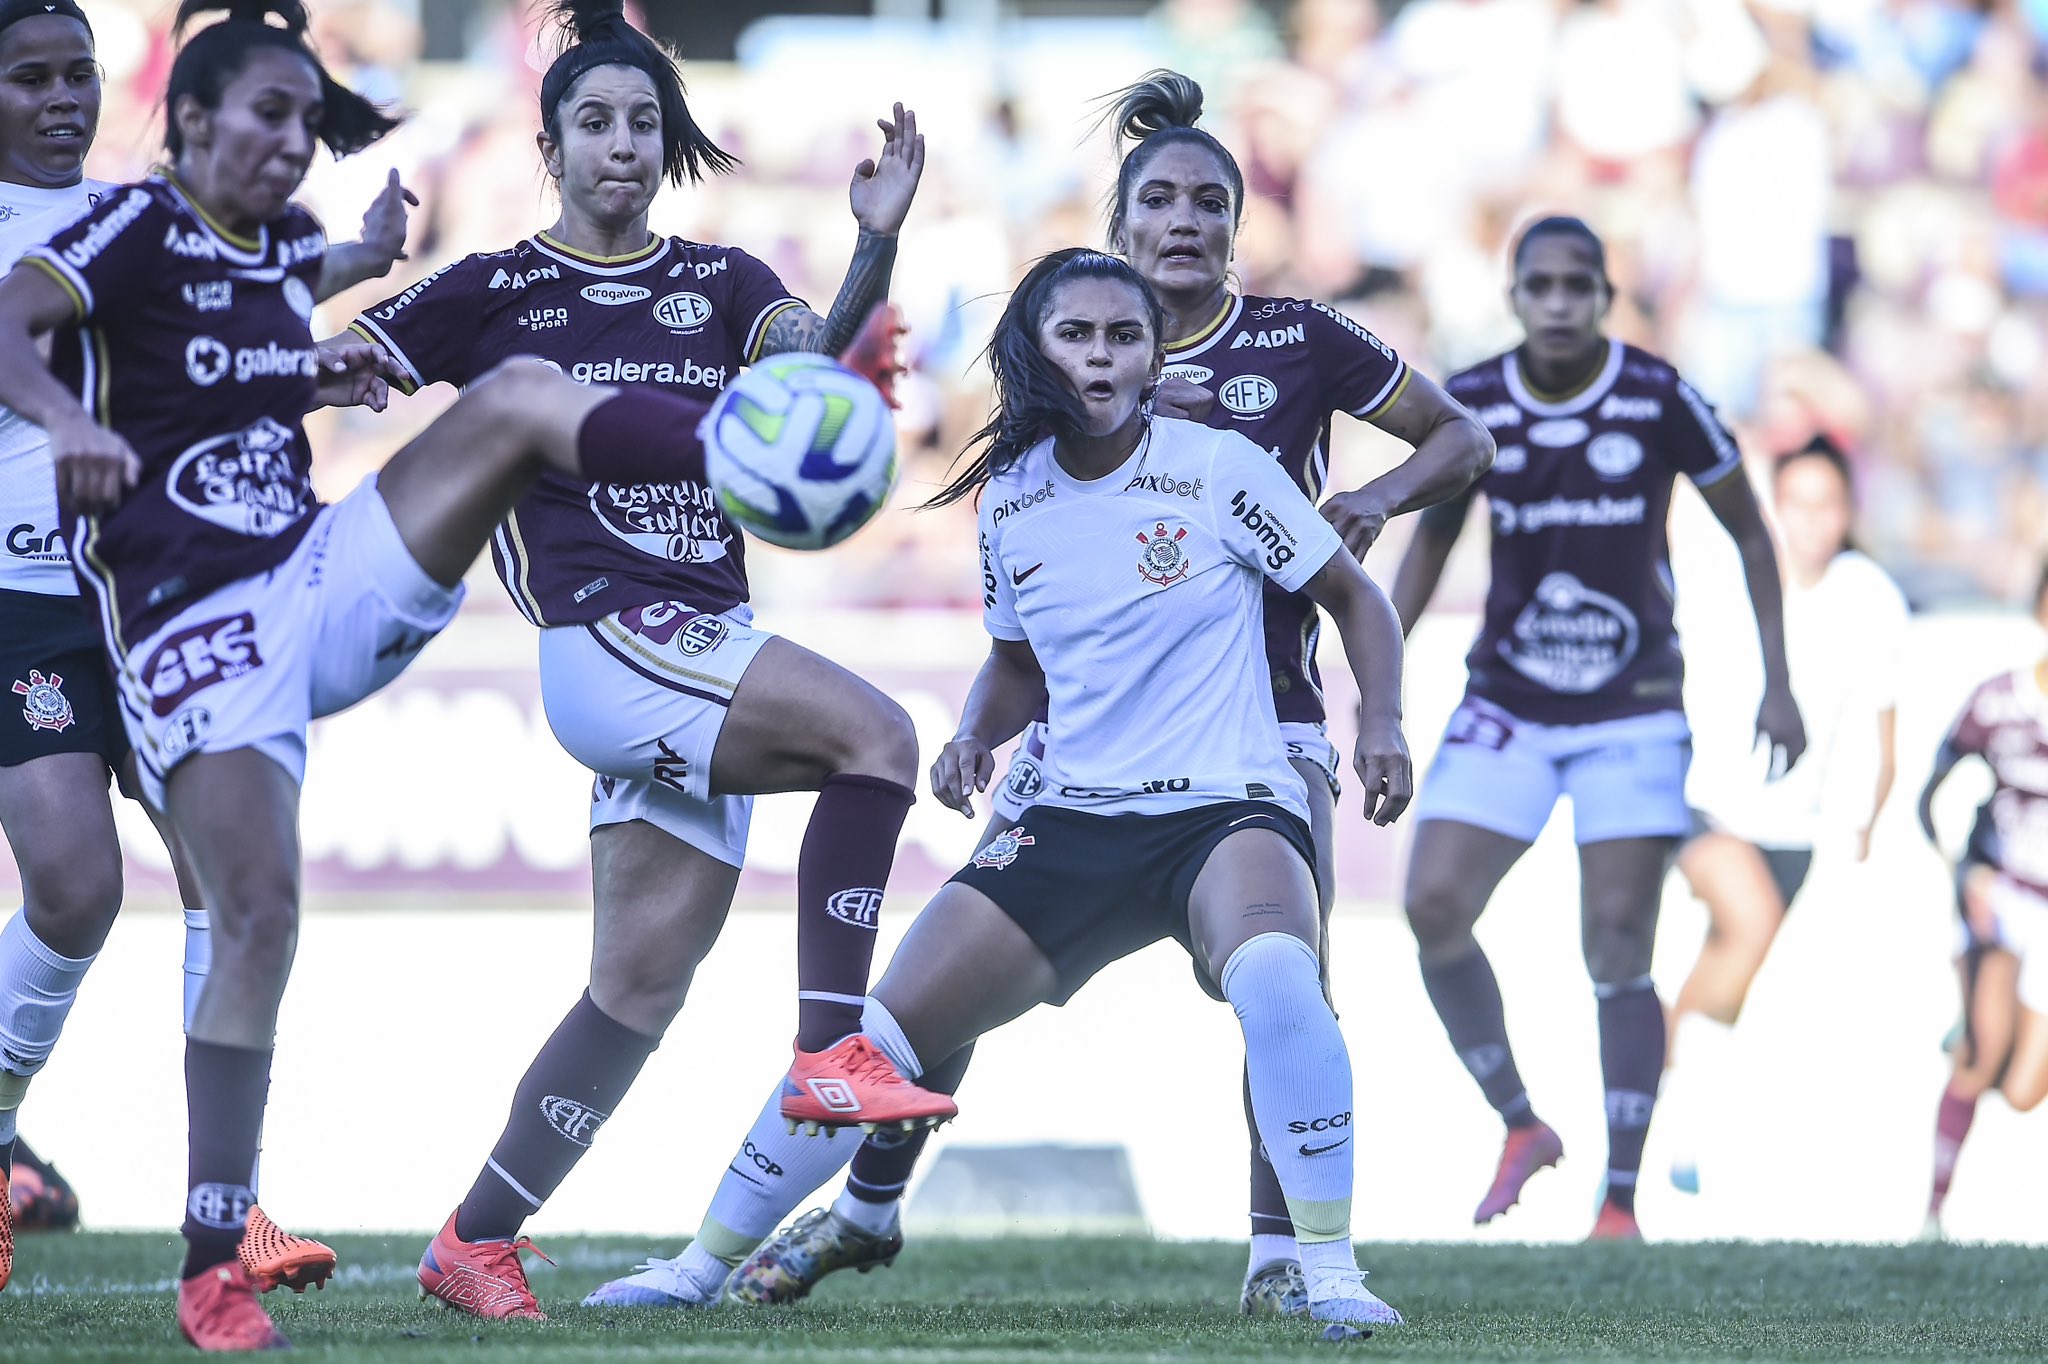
(1613, 454)
(1163, 561)
(43, 702)
(1002, 850)
(1571, 638)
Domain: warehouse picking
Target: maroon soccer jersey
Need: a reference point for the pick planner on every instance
(195, 347)
(1280, 368)
(678, 316)
(2006, 724)
(1578, 614)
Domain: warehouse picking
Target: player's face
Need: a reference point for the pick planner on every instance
(1099, 333)
(608, 162)
(49, 101)
(1560, 296)
(254, 148)
(1813, 512)
(1181, 222)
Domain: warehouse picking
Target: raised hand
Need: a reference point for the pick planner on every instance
(883, 187)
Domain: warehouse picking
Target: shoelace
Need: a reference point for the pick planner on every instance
(1334, 1282)
(503, 1251)
(870, 1062)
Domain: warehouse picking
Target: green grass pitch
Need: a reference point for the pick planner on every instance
(106, 1296)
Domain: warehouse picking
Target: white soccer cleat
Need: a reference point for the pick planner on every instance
(659, 1283)
(1340, 1295)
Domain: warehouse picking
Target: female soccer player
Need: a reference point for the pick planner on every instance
(235, 607)
(651, 671)
(1574, 686)
(1277, 370)
(1116, 547)
(55, 764)
(2002, 892)
(1752, 841)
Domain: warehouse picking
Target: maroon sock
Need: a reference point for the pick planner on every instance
(1467, 999)
(848, 849)
(882, 1165)
(1631, 1064)
(642, 436)
(1269, 1204)
(225, 1090)
(571, 1088)
(1951, 1126)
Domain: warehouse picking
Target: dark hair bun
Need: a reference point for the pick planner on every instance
(583, 21)
(1159, 100)
(291, 12)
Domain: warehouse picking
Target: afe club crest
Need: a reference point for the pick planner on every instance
(1163, 561)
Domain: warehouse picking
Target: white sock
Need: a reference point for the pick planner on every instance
(885, 1032)
(1300, 1076)
(704, 1270)
(1270, 1248)
(876, 1219)
(773, 1173)
(1321, 1260)
(37, 989)
(198, 961)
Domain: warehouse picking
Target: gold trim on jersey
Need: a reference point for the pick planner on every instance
(254, 244)
(1208, 329)
(70, 289)
(520, 559)
(103, 582)
(402, 384)
(764, 322)
(1400, 387)
(631, 257)
(627, 639)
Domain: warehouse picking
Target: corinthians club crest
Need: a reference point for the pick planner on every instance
(1002, 850)
(1163, 560)
(44, 704)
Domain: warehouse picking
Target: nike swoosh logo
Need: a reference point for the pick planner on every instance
(1246, 820)
(749, 1178)
(1017, 579)
(1308, 1150)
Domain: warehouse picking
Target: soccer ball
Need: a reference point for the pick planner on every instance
(801, 451)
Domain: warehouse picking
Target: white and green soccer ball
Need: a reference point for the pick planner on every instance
(801, 451)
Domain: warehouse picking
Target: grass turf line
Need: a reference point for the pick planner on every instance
(105, 1296)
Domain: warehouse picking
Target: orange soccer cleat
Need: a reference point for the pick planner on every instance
(1527, 1150)
(217, 1310)
(872, 352)
(277, 1259)
(6, 1231)
(1615, 1223)
(483, 1278)
(852, 1083)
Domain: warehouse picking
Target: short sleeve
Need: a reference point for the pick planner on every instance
(1695, 441)
(1360, 373)
(113, 252)
(1264, 521)
(1969, 736)
(998, 595)
(431, 327)
(756, 297)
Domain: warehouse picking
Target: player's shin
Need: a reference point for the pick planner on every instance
(1951, 1128)
(773, 1173)
(1300, 1076)
(882, 1166)
(37, 989)
(566, 1095)
(848, 849)
(1467, 999)
(225, 1091)
(1272, 1238)
(1631, 1062)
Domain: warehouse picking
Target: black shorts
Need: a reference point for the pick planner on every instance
(1788, 866)
(59, 694)
(1088, 889)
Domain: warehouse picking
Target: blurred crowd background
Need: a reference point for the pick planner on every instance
(1831, 214)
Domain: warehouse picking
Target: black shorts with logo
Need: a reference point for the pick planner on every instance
(1089, 889)
(56, 689)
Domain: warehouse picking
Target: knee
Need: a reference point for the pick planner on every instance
(883, 743)
(504, 400)
(2025, 1093)
(255, 930)
(71, 908)
(1441, 915)
(1618, 941)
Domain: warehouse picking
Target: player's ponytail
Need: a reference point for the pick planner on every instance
(1033, 398)
(210, 60)
(597, 33)
(1156, 112)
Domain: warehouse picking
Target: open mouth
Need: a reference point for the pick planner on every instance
(1181, 253)
(62, 132)
(1099, 390)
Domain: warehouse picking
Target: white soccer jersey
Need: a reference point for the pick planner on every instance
(32, 552)
(1140, 594)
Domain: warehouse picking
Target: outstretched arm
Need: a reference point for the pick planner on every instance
(1422, 567)
(1005, 697)
(881, 194)
(348, 264)
(1777, 719)
(1371, 633)
(1452, 449)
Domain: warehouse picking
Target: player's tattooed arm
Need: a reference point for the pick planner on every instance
(381, 246)
(1452, 449)
(880, 195)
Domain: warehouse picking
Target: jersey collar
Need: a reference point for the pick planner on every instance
(1571, 406)
(631, 263)
(239, 250)
(1189, 347)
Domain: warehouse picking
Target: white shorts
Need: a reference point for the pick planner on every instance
(252, 664)
(1020, 786)
(1626, 778)
(639, 698)
(2021, 922)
